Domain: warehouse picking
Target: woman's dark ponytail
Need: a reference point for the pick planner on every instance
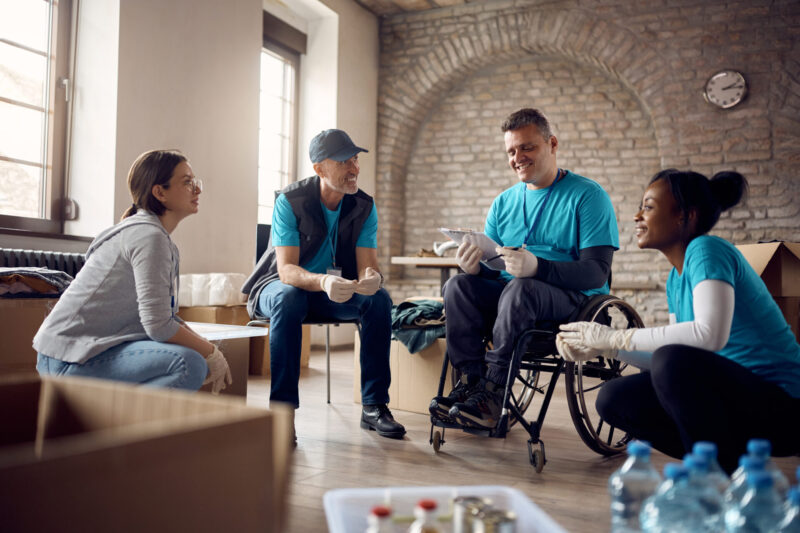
(728, 188)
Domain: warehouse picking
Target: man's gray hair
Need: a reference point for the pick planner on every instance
(526, 117)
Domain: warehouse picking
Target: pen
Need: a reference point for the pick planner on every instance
(514, 248)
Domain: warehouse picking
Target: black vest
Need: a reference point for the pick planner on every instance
(304, 198)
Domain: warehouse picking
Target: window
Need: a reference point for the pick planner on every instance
(34, 63)
(283, 46)
(277, 127)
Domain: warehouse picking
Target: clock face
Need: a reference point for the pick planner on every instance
(725, 89)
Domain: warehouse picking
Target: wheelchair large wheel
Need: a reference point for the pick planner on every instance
(584, 380)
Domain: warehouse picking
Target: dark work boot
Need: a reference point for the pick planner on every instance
(378, 418)
(440, 405)
(483, 407)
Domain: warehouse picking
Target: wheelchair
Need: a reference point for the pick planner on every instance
(534, 356)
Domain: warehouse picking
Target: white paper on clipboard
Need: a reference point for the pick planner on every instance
(482, 241)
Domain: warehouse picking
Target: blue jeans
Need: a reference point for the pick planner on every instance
(287, 307)
(157, 364)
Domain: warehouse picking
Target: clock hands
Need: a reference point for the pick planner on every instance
(733, 86)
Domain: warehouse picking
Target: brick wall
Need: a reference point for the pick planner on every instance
(621, 82)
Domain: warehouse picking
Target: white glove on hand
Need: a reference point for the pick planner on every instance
(469, 256)
(218, 371)
(338, 289)
(575, 352)
(520, 263)
(370, 283)
(598, 336)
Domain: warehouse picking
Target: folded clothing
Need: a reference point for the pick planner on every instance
(32, 282)
(418, 323)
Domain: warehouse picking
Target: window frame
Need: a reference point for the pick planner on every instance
(58, 111)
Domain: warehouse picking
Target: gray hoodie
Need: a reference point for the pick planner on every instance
(126, 291)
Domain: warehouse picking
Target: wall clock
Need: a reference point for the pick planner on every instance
(725, 89)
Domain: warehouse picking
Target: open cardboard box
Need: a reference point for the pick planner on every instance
(237, 315)
(20, 319)
(92, 455)
(415, 376)
(778, 264)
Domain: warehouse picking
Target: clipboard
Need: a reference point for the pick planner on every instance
(482, 241)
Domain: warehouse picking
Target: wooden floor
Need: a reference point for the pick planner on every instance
(334, 452)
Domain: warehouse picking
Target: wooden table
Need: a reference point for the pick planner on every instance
(444, 264)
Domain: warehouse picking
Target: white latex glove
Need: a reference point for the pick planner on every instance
(520, 263)
(575, 352)
(218, 371)
(370, 283)
(469, 257)
(598, 336)
(338, 289)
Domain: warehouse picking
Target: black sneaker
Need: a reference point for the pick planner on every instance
(440, 405)
(482, 408)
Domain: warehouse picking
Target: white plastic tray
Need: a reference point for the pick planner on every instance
(347, 509)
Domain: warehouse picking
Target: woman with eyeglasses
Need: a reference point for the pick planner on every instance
(117, 320)
(727, 368)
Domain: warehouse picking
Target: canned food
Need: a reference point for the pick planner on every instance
(494, 521)
(464, 508)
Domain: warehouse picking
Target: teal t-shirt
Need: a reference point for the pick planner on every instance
(285, 233)
(577, 215)
(760, 338)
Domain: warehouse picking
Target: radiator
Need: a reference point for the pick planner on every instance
(70, 263)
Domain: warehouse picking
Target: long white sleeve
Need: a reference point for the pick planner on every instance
(713, 304)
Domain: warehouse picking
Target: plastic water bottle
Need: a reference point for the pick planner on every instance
(380, 520)
(738, 486)
(674, 506)
(425, 514)
(762, 448)
(791, 516)
(706, 492)
(630, 485)
(708, 450)
(760, 510)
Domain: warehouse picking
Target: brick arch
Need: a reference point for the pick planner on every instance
(409, 96)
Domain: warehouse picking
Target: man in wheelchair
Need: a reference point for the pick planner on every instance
(557, 233)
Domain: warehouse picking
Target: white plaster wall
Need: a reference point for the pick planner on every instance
(189, 79)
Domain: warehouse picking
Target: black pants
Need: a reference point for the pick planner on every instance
(691, 395)
(478, 308)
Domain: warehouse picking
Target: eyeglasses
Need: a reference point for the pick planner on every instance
(194, 185)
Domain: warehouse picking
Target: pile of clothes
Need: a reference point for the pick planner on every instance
(418, 323)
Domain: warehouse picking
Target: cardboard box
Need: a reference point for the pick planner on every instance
(93, 455)
(415, 376)
(20, 319)
(778, 264)
(237, 315)
(237, 353)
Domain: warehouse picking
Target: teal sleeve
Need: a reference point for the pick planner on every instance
(598, 223)
(284, 224)
(707, 259)
(368, 238)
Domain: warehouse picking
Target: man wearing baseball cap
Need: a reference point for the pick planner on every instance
(322, 263)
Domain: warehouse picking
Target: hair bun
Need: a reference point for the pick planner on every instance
(728, 188)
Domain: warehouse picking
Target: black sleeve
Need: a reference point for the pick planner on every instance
(590, 271)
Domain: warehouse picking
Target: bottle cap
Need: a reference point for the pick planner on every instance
(705, 449)
(759, 479)
(381, 511)
(752, 462)
(639, 448)
(794, 496)
(675, 471)
(428, 505)
(760, 447)
(695, 462)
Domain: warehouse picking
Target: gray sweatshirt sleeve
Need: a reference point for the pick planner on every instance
(150, 254)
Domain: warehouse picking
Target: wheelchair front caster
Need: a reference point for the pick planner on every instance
(437, 440)
(536, 457)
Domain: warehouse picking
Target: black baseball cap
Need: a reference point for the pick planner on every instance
(332, 144)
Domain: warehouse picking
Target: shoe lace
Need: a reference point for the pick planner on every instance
(483, 397)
